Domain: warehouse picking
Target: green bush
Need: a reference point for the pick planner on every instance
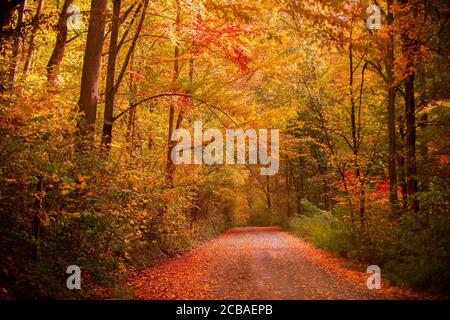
(92, 211)
(413, 251)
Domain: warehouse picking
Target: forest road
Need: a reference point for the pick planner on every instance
(250, 263)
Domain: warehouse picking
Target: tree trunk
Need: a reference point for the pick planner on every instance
(170, 168)
(132, 113)
(112, 85)
(18, 40)
(355, 135)
(288, 187)
(410, 114)
(36, 223)
(401, 161)
(6, 15)
(110, 77)
(91, 66)
(32, 44)
(328, 201)
(392, 166)
(58, 51)
(268, 195)
(191, 80)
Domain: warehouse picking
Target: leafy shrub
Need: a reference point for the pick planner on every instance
(414, 251)
(92, 211)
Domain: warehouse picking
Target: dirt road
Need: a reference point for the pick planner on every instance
(252, 263)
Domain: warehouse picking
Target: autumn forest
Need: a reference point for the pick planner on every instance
(342, 109)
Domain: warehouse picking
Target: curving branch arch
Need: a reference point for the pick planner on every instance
(162, 95)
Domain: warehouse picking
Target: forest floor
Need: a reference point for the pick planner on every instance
(259, 263)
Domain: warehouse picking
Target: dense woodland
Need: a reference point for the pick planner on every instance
(88, 107)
